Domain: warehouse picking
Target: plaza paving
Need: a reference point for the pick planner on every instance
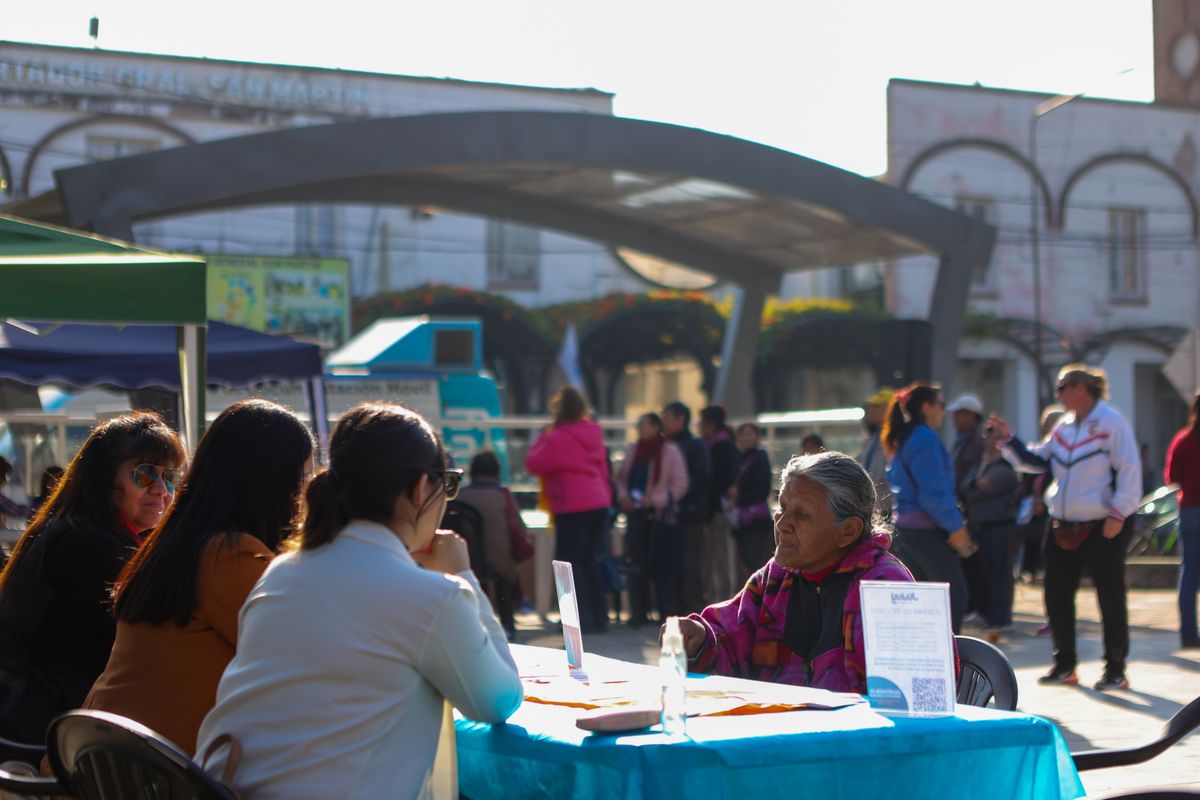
(1162, 679)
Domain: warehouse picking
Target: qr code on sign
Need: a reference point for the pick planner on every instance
(929, 695)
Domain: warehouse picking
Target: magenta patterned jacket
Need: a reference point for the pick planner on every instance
(784, 628)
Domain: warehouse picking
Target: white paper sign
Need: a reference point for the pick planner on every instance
(568, 611)
(909, 646)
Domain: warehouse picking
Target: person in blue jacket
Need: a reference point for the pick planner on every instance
(930, 534)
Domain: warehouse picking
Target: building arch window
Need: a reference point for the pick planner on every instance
(1127, 254)
(1009, 153)
(67, 145)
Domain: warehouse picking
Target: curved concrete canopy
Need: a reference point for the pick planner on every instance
(743, 212)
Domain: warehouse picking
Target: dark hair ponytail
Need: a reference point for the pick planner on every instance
(377, 452)
(904, 412)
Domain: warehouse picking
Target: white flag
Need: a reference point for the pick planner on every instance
(568, 358)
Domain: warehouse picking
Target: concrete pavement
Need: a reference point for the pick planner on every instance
(1163, 678)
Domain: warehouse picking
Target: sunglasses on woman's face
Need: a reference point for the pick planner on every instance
(451, 482)
(144, 476)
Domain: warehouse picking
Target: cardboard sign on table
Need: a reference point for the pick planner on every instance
(909, 646)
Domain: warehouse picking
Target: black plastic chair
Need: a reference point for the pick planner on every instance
(464, 519)
(986, 675)
(97, 756)
(20, 751)
(29, 785)
(1184, 721)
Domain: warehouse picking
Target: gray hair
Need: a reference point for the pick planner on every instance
(849, 490)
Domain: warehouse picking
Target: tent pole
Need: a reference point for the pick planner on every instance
(318, 411)
(190, 339)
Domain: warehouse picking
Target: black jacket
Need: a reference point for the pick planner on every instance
(56, 626)
(693, 507)
(726, 459)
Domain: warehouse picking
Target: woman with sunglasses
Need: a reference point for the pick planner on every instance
(56, 629)
(177, 600)
(350, 646)
(930, 534)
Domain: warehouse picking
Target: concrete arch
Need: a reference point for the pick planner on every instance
(76, 124)
(738, 210)
(1135, 158)
(1000, 148)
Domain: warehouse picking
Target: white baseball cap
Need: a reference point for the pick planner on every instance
(967, 402)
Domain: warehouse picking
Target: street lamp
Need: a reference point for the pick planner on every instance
(1042, 109)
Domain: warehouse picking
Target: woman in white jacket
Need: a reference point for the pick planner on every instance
(651, 479)
(350, 646)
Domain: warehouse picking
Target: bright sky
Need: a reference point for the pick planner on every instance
(804, 75)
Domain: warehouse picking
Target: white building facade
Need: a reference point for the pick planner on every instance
(63, 106)
(1109, 197)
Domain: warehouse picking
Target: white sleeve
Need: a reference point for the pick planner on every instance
(1127, 462)
(467, 660)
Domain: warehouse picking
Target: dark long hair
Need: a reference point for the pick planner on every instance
(377, 452)
(245, 478)
(84, 494)
(1194, 415)
(904, 413)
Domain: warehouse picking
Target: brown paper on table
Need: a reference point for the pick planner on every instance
(570, 692)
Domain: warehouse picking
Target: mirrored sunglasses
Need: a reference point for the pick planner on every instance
(452, 482)
(144, 476)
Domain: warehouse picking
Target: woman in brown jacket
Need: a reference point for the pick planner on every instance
(178, 598)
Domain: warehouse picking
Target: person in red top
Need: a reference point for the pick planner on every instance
(1183, 467)
(570, 457)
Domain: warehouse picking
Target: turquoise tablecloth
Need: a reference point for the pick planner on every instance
(847, 753)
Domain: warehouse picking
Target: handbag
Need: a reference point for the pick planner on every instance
(520, 543)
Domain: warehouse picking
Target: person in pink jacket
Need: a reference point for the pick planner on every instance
(651, 479)
(572, 461)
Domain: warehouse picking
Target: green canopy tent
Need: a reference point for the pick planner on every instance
(48, 273)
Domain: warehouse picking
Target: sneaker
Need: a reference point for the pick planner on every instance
(1045, 630)
(1190, 644)
(1059, 677)
(1110, 682)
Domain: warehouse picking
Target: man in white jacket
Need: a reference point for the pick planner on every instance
(1093, 455)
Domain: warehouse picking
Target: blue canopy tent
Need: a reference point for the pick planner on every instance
(139, 356)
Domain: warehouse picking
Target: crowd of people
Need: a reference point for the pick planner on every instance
(697, 508)
(255, 604)
(993, 507)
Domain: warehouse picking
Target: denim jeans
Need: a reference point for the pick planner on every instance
(1189, 573)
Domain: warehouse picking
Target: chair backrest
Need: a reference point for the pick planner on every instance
(465, 520)
(96, 755)
(1183, 722)
(986, 675)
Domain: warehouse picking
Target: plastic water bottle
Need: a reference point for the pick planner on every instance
(672, 663)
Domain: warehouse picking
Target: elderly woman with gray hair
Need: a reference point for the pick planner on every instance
(798, 620)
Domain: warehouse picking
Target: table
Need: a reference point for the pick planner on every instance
(851, 752)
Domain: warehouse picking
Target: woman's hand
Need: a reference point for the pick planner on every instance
(960, 540)
(693, 636)
(1000, 427)
(446, 553)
